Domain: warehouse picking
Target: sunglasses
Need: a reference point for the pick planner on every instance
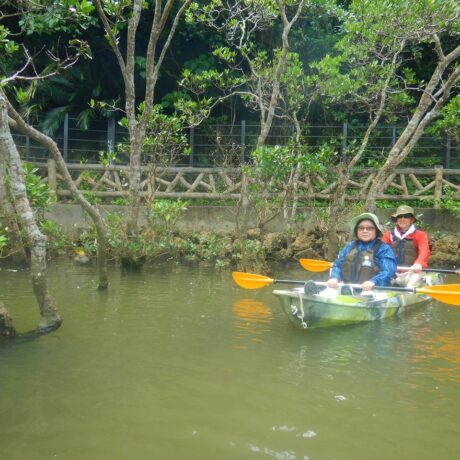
(367, 229)
(404, 216)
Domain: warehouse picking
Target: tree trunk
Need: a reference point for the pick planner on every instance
(8, 216)
(134, 187)
(336, 209)
(6, 323)
(162, 12)
(267, 116)
(435, 95)
(49, 316)
(20, 125)
(267, 120)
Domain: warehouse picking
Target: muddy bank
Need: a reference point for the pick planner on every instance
(445, 250)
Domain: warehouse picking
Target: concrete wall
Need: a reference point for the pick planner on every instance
(221, 219)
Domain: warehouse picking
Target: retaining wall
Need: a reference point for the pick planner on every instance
(221, 219)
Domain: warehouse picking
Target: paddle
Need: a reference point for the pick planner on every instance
(313, 265)
(445, 293)
(252, 281)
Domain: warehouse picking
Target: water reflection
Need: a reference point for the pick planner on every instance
(439, 355)
(177, 363)
(251, 319)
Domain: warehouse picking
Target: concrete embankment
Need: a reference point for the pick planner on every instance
(309, 242)
(222, 219)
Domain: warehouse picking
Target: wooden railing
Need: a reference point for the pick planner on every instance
(225, 183)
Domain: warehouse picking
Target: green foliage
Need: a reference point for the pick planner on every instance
(7, 46)
(301, 217)
(163, 215)
(47, 17)
(37, 190)
(449, 121)
(3, 238)
(249, 255)
(149, 244)
(119, 201)
(56, 238)
(207, 247)
(86, 184)
(273, 164)
(449, 202)
(117, 238)
(192, 113)
(270, 164)
(53, 120)
(428, 161)
(91, 197)
(88, 240)
(165, 138)
(107, 158)
(379, 39)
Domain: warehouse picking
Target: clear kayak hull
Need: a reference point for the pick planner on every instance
(307, 311)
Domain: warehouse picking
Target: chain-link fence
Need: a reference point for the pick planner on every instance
(230, 145)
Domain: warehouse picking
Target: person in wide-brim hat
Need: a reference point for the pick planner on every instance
(403, 210)
(410, 246)
(365, 259)
(366, 215)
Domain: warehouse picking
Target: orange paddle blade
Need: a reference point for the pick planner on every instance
(250, 280)
(313, 265)
(445, 293)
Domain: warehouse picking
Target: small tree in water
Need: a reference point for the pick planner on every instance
(49, 316)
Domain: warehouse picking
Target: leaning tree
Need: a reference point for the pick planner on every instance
(372, 75)
(49, 316)
(26, 65)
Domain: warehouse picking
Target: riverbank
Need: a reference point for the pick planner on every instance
(210, 233)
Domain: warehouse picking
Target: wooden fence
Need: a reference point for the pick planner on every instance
(191, 183)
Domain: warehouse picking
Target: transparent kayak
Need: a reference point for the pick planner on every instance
(308, 311)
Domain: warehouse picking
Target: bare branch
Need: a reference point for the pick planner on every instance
(20, 74)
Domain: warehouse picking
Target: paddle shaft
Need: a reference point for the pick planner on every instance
(322, 265)
(289, 281)
(434, 270)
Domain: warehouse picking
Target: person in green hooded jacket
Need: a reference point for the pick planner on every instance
(365, 260)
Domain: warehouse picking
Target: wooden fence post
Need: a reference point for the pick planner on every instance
(438, 172)
(52, 182)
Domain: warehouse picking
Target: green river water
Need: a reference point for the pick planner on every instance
(179, 363)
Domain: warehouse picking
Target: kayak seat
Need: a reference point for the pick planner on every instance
(346, 290)
(310, 288)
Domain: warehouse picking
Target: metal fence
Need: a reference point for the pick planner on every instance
(230, 145)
